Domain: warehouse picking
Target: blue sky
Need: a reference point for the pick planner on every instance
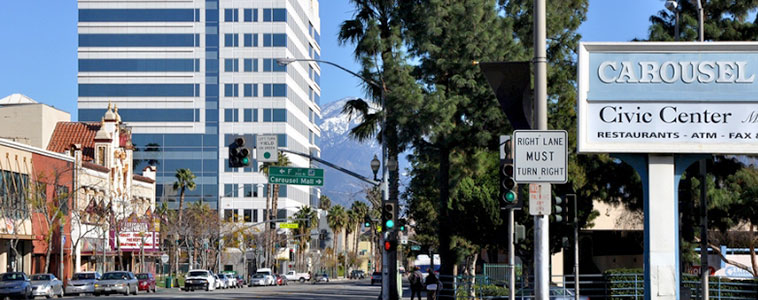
(38, 53)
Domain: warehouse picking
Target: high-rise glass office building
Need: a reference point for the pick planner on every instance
(188, 76)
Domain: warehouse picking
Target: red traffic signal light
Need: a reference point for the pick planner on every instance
(390, 245)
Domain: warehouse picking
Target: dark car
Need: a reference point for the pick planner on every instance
(241, 281)
(321, 277)
(146, 282)
(376, 277)
(357, 274)
(15, 284)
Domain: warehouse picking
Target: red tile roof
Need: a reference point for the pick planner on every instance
(94, 166)
(142, 178)
(67, 133)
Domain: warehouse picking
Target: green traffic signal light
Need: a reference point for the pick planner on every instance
(390, 224)
(245, 160)
(510, 196)
(367, 224)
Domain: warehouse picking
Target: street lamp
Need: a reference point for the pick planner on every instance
(673, 6)
(388, 282)
(375, 166)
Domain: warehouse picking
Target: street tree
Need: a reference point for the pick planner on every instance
(337, 220)
(272, 202)
(185, 179)
(50, 202)
(307, 220)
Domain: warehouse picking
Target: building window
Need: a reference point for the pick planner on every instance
(255, 215)
(248, 215)
(232, 40)
(231, 190)
(274, 15)
(247, 190)
(250, 40)
(228, 215)
(231, 15)
(274, 90)
(251, 15)
(283, 191)
(274, 40)
(281, 140)
(231, 90)
(270, 65)
(231, 65)
(250, 90)
(274, 115)
(231, 115)
(250, 65)
(250, 115)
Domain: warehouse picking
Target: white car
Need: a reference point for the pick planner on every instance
(229, 282)
(199, 280)
(294, 276)
(220, 283)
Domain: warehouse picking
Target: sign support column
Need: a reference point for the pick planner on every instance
(541, 224)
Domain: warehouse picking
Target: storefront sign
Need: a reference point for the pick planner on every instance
(668, 98)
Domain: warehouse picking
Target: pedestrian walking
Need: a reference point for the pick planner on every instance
(416, 280)
(433, 285)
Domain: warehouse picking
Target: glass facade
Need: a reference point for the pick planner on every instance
(180, 79)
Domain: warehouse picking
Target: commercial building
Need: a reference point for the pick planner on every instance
(39, 120)
(111, 220)
(189, 76)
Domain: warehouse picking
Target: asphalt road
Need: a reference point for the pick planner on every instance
(335, 290)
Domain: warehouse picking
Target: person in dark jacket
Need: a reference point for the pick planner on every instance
(433, 285)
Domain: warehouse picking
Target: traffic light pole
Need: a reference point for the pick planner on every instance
(541, 224)
(511, 257)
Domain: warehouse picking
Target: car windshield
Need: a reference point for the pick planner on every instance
(142, 276)
(40, 277)
(83, 276)
(112, 276)
(12, 277)
(258, 275)
(198, 274)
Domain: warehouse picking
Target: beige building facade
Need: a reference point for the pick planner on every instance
(39, 120)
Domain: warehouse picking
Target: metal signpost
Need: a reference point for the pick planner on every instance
(300, 176)
(266, 146)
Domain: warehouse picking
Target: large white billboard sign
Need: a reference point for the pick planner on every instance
(668, 98)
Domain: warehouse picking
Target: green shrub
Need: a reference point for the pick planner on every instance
(623, 283)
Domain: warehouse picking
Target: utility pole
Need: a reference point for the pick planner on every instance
(541, 224)
(576, 245)
(511, 257)
(704, 273)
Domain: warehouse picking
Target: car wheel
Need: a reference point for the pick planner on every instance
(96, 294)
(60, 295)
(302, 279)
(136, 290)
(128, 290)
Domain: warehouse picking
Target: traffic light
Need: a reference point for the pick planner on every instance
(272, 225)
(560, 210)
(402, 225)
(366, 221)
(571, 205)
(511, 82)
(239, 155)
(292, 254)
(388, 216)
(390, 245)
(508, 187)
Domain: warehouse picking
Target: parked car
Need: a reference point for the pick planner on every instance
(146, 282)
(321, 277)
(15, 284)
(258, 280)
(122, 282)
(46, 285)
(220, 283)
(229, 281)
(357, 274)
(199, 280)
(376, 277)
(281, 279)
(269, 275)
(81, 283)
(302, 277)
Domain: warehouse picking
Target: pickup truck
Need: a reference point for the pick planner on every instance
(302, 277)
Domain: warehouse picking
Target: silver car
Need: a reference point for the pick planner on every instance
(82, 283)
(121, 282)
(46, 285)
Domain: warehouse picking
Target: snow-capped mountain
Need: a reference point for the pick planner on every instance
(340, 149)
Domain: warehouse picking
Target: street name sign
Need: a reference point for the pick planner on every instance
(164, 258)
(539, 199)
(299, 176)
(667, 97)
(540, 156)
(415, 248)
(266, 146)
(288, 225)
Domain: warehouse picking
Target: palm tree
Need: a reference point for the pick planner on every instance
(324, 202)
(361, 209)
(281, 161)
(184, 180)
(303, 230)
(337, 219)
